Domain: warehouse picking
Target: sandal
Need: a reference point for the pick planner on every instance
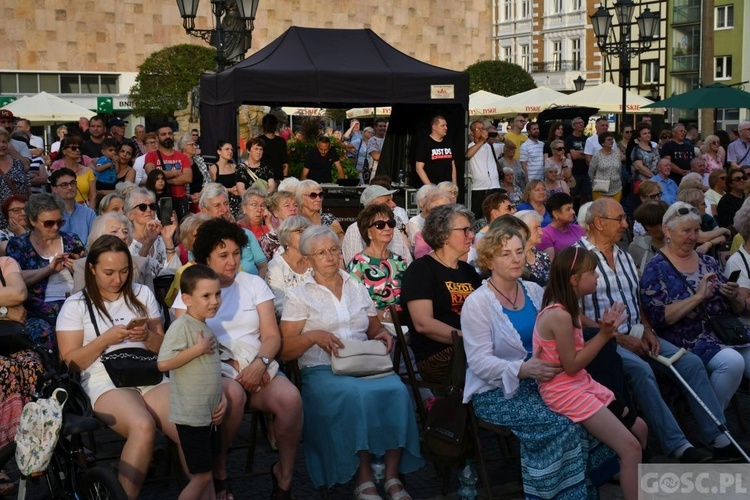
(7, 485)
(359, 495)
(400, 494)
(278, 493)
(221, 488)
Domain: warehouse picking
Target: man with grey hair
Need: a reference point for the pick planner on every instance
(353, 242)
(36, 143)
(617, 283)
(738, 152)
(679, 153)
(592, 143)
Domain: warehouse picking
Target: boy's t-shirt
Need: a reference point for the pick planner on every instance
(109, 175)
(195, 387)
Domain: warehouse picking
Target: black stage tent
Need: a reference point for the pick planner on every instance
(337, 68)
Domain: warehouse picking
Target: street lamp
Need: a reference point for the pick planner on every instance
(624, 48)
(579, 83)
(233, 27)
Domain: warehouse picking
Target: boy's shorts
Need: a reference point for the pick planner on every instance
(200, 445)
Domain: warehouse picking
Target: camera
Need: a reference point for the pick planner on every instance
(492, 134)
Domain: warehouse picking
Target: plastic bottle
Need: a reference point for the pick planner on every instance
(400, 176)
(378, 469)
(468, 483)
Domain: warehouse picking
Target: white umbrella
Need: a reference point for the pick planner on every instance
(532, 101)
(368, 112)
(292, 111)
(46, 109)
(608, 98)
(483, 103)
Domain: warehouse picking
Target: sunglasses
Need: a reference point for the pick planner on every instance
(380, 224)
(467, 230)
(627, 132)
(146, 206)
(559, 149)
(314, 196)
(655, 196)
(739, 178)
(49, 224)
(74, 148)
(685, 210)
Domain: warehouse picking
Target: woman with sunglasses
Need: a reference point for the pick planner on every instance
(376, 267)
(435, 286)
(712, 153)
(310, 200)
(733, 199)
(74, 159)
(46, 257)
(556, 133)
(150, 238)
(681, 288)
(717, 187)
(558, 169)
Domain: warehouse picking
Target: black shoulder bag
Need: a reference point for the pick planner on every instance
(727, 328)
(128, 367)
(13, 336)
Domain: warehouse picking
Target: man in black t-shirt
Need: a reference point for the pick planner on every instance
(434, 159)
(92, 147)
(319, 162)
(275, 152)
(574, 146)
(679, 152)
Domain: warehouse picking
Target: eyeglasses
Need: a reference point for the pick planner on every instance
(66, 185)
(314, 195)
(49, 224)
(320, 254)
(380, 224)
(735, 179)
(627, 131)
(256, 205)
(74, 148)
(655, 196)
(16, 210)
(722, 177)
(147, 206)
(619, 218)
(467, 230)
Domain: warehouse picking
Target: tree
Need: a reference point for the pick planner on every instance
(499, 77)
(165, 78)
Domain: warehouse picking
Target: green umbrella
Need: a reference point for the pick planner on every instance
(716, 96)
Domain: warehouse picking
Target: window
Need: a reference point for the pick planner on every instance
(724, 17)
(723, 68)
(650, 72)
(28, 83)
(557, 6)
(525, 58)
(49, 82)
(577, 5)
(576, 53)
(508, 54)
(557, 55)
(89, 84)
(508, 10)
(525, 9)
(58, 83)
(109, 84)
(8, 83)
(69, 84)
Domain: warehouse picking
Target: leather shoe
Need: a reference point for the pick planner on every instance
(694, 455)
(728, 453)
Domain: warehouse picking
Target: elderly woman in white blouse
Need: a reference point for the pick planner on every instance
(290, 268)
(150, 238)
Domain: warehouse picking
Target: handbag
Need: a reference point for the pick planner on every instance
(128, 367)
(258, 183)
(38, 432)
(446, 432)
(13, 336)
(367, 358)
(600, 186)
(727, 328)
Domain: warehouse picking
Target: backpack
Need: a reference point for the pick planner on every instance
(38, 432)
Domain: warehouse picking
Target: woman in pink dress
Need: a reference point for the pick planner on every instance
(558, 338)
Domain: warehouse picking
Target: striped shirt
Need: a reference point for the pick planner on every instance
(613, 285)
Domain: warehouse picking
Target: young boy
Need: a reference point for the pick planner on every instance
(104, 170)
(190, 353)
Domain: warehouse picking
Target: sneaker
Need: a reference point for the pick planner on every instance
(728, 453)
(695, 455)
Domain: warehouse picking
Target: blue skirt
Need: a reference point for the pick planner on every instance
(559, 459)
(345, 415)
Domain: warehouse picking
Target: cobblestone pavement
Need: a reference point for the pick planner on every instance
(425, 483)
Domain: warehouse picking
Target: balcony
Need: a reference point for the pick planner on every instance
(556, 66)
(565, 20)
(513, 28)
(685, 63)
(686, 12)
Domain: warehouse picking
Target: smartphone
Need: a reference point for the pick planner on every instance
(492, 134)
(734, 276)
(165, 211)
(79, 251)
(136, 322)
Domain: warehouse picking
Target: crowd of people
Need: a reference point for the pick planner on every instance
(575, 259)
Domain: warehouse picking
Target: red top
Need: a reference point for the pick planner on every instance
(175, 161)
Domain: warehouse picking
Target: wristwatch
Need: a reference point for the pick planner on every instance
(265, 360)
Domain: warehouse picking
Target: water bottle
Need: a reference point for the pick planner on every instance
(468, 483)
(400, 176)
(378, 469)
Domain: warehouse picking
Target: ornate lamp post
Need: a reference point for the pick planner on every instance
(624, 47)
(579, 83)
(233, 27)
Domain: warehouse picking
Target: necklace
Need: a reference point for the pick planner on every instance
(512, 302)
(443, 263)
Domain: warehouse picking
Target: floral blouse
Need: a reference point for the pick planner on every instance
(660, 286)
(21, 249)
(649, 159)
(540, 267)
(607, 167)
(382, 277)
(17, 178)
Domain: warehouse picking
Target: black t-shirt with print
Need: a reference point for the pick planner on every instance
(437, 158)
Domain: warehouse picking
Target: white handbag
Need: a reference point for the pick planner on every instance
(367, 358)
(600, 186)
